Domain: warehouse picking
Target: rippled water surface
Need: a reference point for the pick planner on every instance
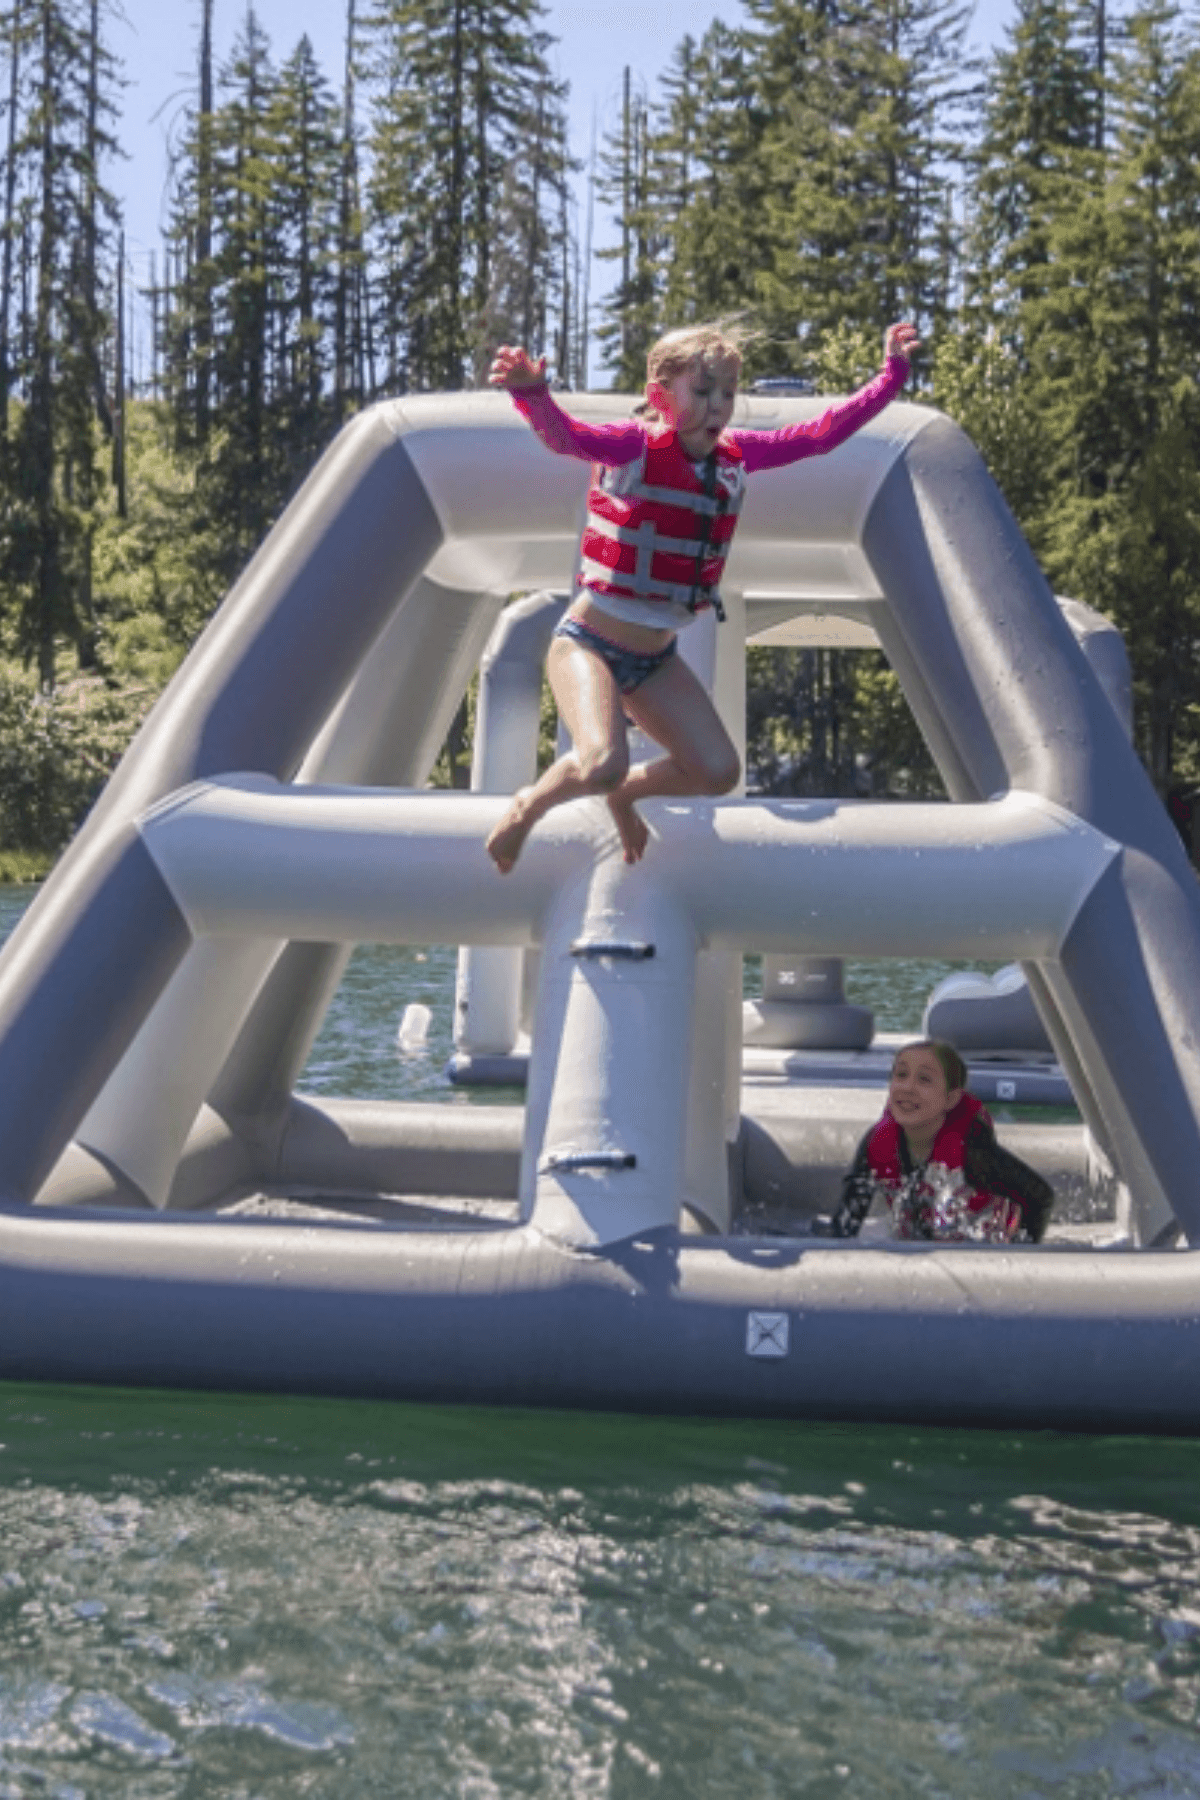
(357, 1050)
(251, 1598)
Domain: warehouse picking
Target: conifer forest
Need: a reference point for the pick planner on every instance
(334, 236)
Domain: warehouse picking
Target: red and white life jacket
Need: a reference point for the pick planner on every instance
(653, 533)
(935, 1201)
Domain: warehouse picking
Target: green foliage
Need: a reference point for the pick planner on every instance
(159, 572)
(57, 750)
(845, 357)
(824, 722)
(24, 866)
(978, 380)
(818, 170)
(467, 187)
(56, 202)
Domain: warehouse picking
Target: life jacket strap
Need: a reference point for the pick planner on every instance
(720, 500)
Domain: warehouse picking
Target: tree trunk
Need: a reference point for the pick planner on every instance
(345, 297)
(204, 227)
(118, 442)
(10, 223)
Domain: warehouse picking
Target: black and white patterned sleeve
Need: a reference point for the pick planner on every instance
(991, 1169)
(858, 1191)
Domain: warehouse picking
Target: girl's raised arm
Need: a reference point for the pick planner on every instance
(512, 368)
(817, 437)
(525, 380)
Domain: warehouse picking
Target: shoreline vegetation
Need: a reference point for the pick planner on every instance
(24, 868)
(333, 239)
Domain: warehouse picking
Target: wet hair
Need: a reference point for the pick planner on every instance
(673, 354)
(952, 1065)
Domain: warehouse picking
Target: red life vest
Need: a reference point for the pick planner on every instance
(654, 533)
(935, 1201)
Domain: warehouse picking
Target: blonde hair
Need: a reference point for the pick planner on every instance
(674, 353)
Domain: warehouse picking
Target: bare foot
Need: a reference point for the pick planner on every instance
(504, 844)
(633, 830)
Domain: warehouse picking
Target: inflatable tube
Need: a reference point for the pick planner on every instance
(954, 1336)
(976, 1012)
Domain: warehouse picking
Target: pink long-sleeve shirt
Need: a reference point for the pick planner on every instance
(619, 442)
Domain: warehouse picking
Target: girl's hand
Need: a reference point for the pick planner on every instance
(901, 340)
(513, 369)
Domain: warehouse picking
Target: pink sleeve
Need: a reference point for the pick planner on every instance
(816, 437)
(611, 445)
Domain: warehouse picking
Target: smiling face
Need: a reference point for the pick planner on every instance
(698, 402)
(919, 1096)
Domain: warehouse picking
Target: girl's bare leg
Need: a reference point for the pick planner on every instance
(589, 702)
(673, 708)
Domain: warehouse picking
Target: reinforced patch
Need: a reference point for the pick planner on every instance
(767, 1334)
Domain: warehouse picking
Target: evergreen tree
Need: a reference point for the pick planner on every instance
(719, 246)
(305, 194)
(524, 251)
(189, 333)
(16, 35)
(244, 477)
(1034, 171)
(352, 352)
(863, 101)
(1116, 369)
(1036, 160)
(51, 479)
(630, 178)
(468, 148)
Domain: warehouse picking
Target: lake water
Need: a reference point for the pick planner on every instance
(249, 1599)
(357, 1052)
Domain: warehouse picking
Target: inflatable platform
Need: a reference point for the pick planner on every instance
(172, 1213)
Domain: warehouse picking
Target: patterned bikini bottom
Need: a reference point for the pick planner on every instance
(629, 667)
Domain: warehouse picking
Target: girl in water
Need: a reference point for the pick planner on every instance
(666, 491)
(934, 1160)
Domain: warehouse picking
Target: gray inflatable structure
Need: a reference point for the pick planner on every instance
(159, 999)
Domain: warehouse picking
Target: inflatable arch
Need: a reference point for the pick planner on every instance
(158, 1001)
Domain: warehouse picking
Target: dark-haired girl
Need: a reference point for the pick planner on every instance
(934, 1161)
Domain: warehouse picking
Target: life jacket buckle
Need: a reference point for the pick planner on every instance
(702, 597)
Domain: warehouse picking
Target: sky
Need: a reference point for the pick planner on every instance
(155, 41)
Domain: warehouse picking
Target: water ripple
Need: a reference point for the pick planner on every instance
(260, 1600)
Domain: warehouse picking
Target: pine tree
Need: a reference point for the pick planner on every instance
(1035, 174)
(1116, 366)
(629, 179)
(245, 474)
(468, 159)
(527, 241)
(862, 100)
(52, 480)
(16, 32)
(718, 246)
(189, 335)
(351, 352)
(1036, 161)
(304, 130)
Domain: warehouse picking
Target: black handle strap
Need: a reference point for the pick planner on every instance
(714, 492)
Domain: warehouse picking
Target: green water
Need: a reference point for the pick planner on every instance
(255, 1599)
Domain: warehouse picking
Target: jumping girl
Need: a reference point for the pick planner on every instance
(666, 491)
(934, 1160)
